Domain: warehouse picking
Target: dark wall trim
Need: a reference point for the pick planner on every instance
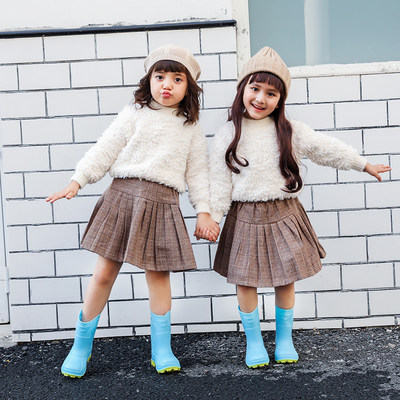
(113, 29)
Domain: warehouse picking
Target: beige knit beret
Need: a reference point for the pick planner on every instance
(174, 53)
(267, 60)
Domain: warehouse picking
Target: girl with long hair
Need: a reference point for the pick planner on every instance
(267, 239)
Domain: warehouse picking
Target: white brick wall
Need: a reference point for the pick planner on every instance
(57, 95)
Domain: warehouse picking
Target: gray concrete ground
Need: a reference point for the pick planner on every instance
(334, 364)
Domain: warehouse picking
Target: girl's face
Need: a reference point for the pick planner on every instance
(168, 88)
(260, 99)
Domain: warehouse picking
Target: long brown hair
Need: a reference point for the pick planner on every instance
(287, 162)
(189, 107)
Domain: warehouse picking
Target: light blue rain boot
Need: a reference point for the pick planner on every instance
(256, 355)
(74, 365)
(284, 349)
(162, 357)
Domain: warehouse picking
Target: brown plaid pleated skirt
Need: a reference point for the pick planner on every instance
(140, 222)
(268, 244)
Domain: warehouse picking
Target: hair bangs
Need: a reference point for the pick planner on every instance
(270, 79)
(169, 66)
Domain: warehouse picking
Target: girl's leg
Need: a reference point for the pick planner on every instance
(256, 355)
(96, 297)
(284, 303)
(162, 358)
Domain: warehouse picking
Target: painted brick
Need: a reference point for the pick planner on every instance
(394, 112)
(304, 308)
(51, 290)
(319, 324)
(123, 313)
(41, 131)
(121, 290)
(334, 88)
(338, 196)
(368, 322)
(97, 188)
(226, 309)
(318, 116)
(361, 114)
(202, 256)
(188, 38)
(315, 173)
(344, 250)
(8, 77)
(384, 248)
(190, 310)
(364, 222)
(16, 238)
(298, 91)
(42, 184)
(212, 120)
(207, 283)
(49, 237)
(395, 164)
(228, 66)
(66, 156)
(185, 206)
(327, 279)
(25, 158)
(384, 302)
(33, 317)
(383, 194)
(75, 262)
(72, 102)
(113, 100)
(22, 212)
(133, 71)
(116, 332)
(140, 290)
(79, 47)
(56, 335)
(351, 137)
(306, 199)
(382, 140)
(121, 45)
(396, 220)
(397, 274)
(346, 304)
(218, 40)
(96, 73)
(381, 86)
(19, 105)
(19, 291)
(325, 223)
(356, 176)
(89, 129)
(219, 94)
(31, 265)
(75, 210)
(21, 50)
(44, 76)
(209, 67)
(212, 328)
(13, 185)
(10, 132)
(367, 276)
(21, 337)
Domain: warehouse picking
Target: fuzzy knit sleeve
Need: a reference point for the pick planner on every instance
(100, 157)
(324, 149)
(220, 175)
(196, 173)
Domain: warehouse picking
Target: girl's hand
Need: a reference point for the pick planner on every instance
(376, 169)
(69, 192)
(206, 228)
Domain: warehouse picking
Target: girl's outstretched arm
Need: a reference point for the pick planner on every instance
(376, 169)
(69, 192)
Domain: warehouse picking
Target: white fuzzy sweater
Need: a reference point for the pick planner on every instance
(262, 180)
(154, 145)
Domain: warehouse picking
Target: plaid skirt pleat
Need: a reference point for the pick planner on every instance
(268, 244)
(140, 222)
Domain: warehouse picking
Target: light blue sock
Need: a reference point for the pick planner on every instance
(284, 349)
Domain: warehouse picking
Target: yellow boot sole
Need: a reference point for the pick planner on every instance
(163, 371)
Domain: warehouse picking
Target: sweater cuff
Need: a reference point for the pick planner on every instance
(80, 178)
(360, 163)
(217, 216)
(202, 207)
